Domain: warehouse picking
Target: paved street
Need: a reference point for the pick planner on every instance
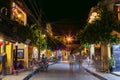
(61, 71)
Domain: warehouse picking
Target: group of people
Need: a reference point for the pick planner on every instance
(74, 60)
(35, 62)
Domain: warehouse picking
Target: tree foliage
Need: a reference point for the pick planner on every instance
(100, 29)
(32, 32)
(33, 9)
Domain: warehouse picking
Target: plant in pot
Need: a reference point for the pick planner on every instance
(112, 64)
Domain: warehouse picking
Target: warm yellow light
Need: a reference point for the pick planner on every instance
(25, 45)
(15, 11)
(44, 35)
(93, 16)
(1, 40)
(19, 15)
(16, 43)
(69, 38)
(90, 21)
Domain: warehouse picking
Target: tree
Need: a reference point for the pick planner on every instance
(100, 29)
(33, 9)
(33, 35)
(31, 32)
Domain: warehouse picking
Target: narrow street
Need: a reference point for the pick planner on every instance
(61, 71)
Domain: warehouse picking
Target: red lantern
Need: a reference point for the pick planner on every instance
(1, 43)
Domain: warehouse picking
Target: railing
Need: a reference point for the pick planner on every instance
(4, 11)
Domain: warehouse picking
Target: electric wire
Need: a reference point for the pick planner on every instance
(38, 14)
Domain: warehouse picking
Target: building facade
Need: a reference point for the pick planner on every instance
(16, 52)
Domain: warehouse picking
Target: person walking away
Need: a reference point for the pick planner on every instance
(71, 59)
(44, 59)
(44, 65)
(60, 56)
(78, 60)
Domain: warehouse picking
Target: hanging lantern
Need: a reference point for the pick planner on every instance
(1, 43)
(7, 42)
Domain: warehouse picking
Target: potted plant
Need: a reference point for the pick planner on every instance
(111, 64)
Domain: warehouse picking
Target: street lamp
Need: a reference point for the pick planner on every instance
(69, 40)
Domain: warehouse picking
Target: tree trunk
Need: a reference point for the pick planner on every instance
(105, 51)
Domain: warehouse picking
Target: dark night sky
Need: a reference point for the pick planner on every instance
(57, 10)
(66, 16)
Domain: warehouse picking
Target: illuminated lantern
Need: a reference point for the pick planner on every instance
(7, 43)
(15, 11)
(1, 43)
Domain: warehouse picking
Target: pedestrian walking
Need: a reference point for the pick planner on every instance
(71, 59)
(88, 60)
(78, 60)
(44, 59)
(60, 56)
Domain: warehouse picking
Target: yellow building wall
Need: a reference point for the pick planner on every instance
(25, 47)
(8, 51)
(9, 62)
(30, 51)
(9, 54)
(48, 53)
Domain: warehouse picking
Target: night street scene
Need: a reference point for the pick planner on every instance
(59, 39)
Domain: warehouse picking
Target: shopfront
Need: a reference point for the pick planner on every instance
(6, 47)
(116, 54)
(22, 55)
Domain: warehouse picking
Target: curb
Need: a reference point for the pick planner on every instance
(1, 77)
(96, 75)
(31, 74)
(115, 74)
(34, 72)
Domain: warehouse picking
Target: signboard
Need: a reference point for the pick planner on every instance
(20, 53)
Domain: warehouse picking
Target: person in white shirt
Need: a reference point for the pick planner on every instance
(88, 60)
